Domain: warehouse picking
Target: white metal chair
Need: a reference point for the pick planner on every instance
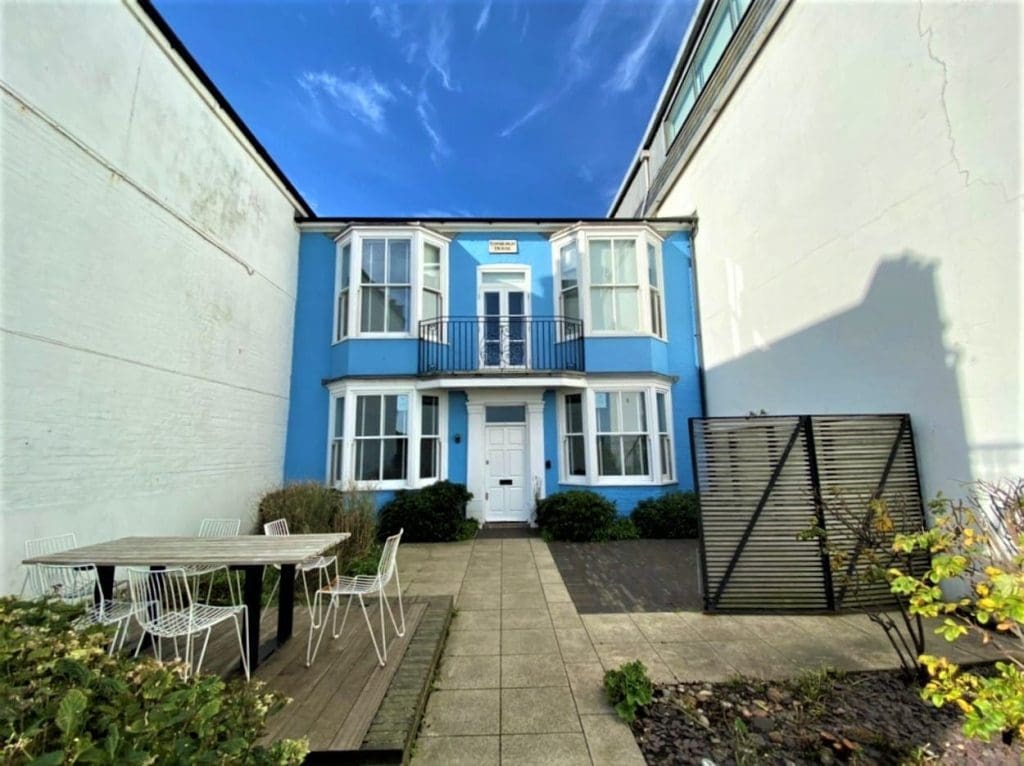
(164, 608)
(216, 528)
(42, 546)
(78, 584)
(359, 587)
(320, 564)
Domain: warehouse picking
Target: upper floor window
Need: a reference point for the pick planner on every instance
(388, 280)
(717, 33)
(612, 282)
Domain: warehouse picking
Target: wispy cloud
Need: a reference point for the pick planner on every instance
(438, 51)
(388, 18)
(626, 73)
(359, 94)
(483, 18)
(425, 111)
(575, 67)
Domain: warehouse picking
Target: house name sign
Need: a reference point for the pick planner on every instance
(502, 246)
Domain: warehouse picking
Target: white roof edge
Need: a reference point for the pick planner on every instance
(665, 94)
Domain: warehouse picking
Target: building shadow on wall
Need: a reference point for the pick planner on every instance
(887, 354)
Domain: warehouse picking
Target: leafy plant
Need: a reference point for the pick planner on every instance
(576, 515)
(310, 507)
(63, 699)
(433, 514)
(977, 541)
(857, 538)
(628, 688)
(622, 528)
(674, 515)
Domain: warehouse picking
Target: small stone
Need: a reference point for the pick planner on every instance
(762, 724)
(726, 705)
(777, 695)
(776, 737)
(703, 719)
(704, 695)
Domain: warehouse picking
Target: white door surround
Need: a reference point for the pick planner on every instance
(532, 460)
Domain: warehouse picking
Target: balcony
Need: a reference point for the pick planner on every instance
(500, 345)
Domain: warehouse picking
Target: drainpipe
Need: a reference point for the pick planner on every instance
(698, 337)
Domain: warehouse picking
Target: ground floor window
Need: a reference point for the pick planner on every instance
(619, 434)
(384, 439)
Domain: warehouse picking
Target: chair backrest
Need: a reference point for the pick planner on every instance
(389, 558)
(220, 527)
(42, 546)
(278, 527)
(155, 592)
(70, 584)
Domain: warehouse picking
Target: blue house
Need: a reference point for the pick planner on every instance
(517, 357)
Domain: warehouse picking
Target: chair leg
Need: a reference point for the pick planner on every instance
(312, 650)
(335, 632)
(202, 653)
(369, 626)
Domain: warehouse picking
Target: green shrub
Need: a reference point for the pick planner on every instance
(311, 508)
(628, 688)
(674, 515)
(576, 515)
(433, 514)
(622, 528)
(63, 699)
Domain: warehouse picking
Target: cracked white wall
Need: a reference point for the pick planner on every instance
(148, 290)
(859, 240)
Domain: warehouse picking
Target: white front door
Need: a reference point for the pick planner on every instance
(506, 474)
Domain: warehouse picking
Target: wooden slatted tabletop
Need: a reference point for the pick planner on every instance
(242, 550)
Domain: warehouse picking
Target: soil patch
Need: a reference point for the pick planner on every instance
(818, 718)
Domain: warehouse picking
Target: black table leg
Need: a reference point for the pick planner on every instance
(286, 604)
(253, 604)
(105, 587)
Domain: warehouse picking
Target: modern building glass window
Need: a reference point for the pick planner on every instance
(575, 440)
(717, 33)
(385, 285)
(621, 433)
(614, 285)
(381, 437)
(430, 438)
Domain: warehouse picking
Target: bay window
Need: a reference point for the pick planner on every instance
(618, 434)
(612, 281)
(388, 280)
(384, 435)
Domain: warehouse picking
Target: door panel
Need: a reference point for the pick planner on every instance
(506, 473)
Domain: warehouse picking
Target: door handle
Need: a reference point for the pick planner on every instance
(505, 482)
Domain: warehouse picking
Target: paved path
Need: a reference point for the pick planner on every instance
(520, 680)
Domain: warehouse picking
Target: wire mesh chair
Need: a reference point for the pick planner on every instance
(77, 584)
(215, 528)
(320, 564)
(164, 608)
(359, 587)
(42, 546)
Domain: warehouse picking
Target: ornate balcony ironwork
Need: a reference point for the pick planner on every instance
(500, 345)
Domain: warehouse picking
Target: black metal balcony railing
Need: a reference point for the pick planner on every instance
(505, 344)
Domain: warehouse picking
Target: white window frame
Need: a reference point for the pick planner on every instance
(418, 237)
(351, 390)
(564, 434)
(650, 387)
(643, 236)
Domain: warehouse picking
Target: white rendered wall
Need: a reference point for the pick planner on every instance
(859, 240)
(144, 369)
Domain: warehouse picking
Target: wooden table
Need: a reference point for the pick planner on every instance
(249, 553)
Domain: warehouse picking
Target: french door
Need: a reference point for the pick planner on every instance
(504, 315)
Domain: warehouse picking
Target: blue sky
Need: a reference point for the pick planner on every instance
(480, 108)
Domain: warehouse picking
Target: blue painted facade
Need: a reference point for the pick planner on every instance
(321, 363)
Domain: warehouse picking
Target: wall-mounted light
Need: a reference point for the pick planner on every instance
(457, 438)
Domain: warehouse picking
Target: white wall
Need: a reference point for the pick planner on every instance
(145, 370)
(859, 240)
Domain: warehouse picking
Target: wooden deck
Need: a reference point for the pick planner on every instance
(333, 702)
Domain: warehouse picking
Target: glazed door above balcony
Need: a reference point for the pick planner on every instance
(504, 311)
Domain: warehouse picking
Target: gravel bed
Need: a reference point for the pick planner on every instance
(818, 718)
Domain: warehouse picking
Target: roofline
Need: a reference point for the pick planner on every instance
(675, 74)
(303, 208)
(549, 225)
